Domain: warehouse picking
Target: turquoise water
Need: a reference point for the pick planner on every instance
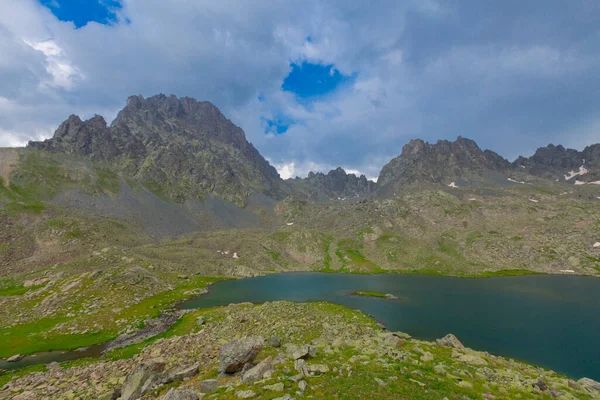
(551, 321)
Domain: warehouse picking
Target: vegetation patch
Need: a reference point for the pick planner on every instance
(367, 293)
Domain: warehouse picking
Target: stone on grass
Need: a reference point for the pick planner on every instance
(380, 382)
(304, 352)
(180, 374)
(284, 397)
(320, 368)
(181, 395)
(15, 358)
(450, 341)
(245, 394)
(276, 387)
(237, 353)
(589, 384)
(274, 341)
(256, 373)
(209, 385)
(142, 379)
(302, 386)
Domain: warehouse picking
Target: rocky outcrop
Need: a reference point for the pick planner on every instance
(441, 162)
(336, 184)
(179, 146)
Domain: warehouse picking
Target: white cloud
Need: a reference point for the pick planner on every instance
(63, 74)
(501, 80)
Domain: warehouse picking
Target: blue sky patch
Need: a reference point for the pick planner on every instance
(310, 80)
(277, 126)
(80, 12)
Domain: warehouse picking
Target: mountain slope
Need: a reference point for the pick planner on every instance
(178, 147)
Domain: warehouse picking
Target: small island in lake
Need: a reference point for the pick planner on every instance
(366, 293)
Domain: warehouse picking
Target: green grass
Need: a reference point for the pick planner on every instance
(16, 290)
(37, 336)
(10, 375)
(349, 252)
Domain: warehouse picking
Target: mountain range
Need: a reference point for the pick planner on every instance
(182, 148)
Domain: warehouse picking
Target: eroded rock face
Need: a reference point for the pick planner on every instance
(237, 353)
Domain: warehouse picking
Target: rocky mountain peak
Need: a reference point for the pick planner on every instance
(558, 162)
(184, 146)
(422, 161)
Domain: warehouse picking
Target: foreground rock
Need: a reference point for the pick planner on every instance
(237, 353)
(142, 379)
(259, 371)
(450, 341)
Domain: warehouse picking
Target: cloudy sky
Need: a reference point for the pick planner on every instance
(315, 84)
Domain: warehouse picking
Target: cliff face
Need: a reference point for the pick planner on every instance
(179, 145)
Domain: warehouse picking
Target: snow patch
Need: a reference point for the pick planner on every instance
(578, 183)
(569, 271)
(235, 255)
(472, 199)
(534, 200)
(597, 244)
(573, 174)
(512, 180)
(290, 223)
(452, 185)
(594, 183)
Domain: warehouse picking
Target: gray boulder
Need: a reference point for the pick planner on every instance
(182, 373)
(142, 379)
(15, 358)
(256, 373)
(589, 384)
(239, 352)
(181, 395)
(274, 341)
(450, 341)
(305, 352)
(209, 385)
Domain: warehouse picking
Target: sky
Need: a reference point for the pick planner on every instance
(315, 84)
